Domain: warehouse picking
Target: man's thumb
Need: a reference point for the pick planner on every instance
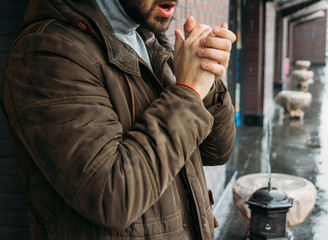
(179, 39)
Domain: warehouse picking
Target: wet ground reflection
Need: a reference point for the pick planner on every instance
(320, 216)
(299, 147)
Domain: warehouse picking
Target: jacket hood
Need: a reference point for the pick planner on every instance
(88, 11)
(68, 10)
(64, 10)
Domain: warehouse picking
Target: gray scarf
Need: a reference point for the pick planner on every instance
(124, 27)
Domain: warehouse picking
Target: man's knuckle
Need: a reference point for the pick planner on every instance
(226, 55)
(199, 27)
(224, 43)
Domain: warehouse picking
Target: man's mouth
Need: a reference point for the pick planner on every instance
(166, 10)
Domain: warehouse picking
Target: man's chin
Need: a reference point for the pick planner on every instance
(160, 26)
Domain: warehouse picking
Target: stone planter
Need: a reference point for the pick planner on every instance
(293, 101)
(302, 191)
(302, 77)
(302, 64)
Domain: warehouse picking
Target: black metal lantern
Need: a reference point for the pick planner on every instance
(269, 207)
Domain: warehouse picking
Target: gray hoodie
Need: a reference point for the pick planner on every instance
(124, 27)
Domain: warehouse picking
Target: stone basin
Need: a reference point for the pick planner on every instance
(302, 64)
(303, 77)
(302, 191)
(293, 101)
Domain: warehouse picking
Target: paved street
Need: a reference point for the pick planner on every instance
(299, 147)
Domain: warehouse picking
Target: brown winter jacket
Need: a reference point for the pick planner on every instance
(105, 147)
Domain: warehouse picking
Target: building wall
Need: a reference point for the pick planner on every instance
(13, 213)
(309, 41)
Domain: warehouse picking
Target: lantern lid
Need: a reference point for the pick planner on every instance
(269, 198)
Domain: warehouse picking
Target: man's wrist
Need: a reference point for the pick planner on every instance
(184, 85)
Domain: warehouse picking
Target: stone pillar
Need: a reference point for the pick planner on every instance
(254, 58)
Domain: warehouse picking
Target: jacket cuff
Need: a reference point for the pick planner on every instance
(215, 95)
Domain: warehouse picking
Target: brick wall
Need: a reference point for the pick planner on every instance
(210, 12)
(13, 213)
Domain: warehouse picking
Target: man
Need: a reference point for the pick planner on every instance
(110, 133)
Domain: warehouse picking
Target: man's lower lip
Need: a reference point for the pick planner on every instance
(166, 13)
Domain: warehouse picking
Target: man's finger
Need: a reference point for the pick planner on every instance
(220, 43)
(224, 25)
(189, 26)
(213, 67)
(224, 33)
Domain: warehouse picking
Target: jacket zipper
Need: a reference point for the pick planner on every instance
(192, 205)
(163, 63)
(130, 87)
(188, 224)
(132, 99)
(156, 78)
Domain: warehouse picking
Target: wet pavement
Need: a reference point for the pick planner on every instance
(299, 147)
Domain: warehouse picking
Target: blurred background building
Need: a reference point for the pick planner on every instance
(271, 36)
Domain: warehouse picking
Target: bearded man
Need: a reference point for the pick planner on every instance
(111, 125)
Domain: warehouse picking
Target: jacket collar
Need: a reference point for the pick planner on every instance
(117, 51)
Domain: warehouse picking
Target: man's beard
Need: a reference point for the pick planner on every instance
(136, 12)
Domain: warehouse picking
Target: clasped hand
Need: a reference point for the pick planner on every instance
(201, 55)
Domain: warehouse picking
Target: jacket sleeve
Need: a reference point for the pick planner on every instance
(218, 146)
(59, 109)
